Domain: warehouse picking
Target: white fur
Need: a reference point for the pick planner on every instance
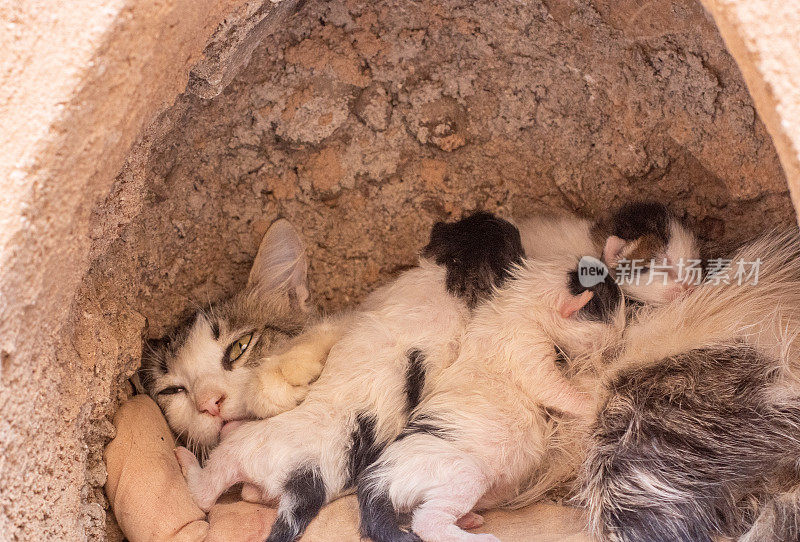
(547, 234)
(365, 371)
(489, 401)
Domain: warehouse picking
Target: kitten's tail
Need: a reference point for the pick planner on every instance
(379, 519)
(303, 497)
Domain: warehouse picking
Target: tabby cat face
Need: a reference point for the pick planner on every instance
(199, 374)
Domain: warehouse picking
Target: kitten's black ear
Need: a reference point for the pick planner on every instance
(281, 263)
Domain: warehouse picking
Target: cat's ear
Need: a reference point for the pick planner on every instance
(613, 250)
(575, 303)
(281, 264)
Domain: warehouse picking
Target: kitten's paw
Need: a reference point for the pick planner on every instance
(481, 538)
(251, 493)
(187, 460)
(270, 394)
(470, 520)
(301, 364)
(192, 471)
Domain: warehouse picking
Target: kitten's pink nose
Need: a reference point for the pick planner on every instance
(210, 404)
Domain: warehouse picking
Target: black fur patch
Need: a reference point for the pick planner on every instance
(226, 361)
(633, 220)
(478, 252)
(307, 493)
(424, 424)
(379, 519)
(678, 445)
(364, 450)
(604, 303)
(415, 378)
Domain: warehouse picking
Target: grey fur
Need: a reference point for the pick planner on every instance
(684, 447)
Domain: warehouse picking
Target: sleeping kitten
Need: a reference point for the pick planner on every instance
(644, 232)
(702, 415)
(412, 470)
(396, 343)
(201, 374)
(475, 439)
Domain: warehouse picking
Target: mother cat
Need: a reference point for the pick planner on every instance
(375, 374)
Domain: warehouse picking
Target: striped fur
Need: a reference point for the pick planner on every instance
(702, 416)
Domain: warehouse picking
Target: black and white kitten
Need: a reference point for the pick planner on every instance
(646, 233)
(486, 426)
(396, 343)
(484, 435)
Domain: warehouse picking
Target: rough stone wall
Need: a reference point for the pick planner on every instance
(762, 35)
(79, 81)
(365, 122)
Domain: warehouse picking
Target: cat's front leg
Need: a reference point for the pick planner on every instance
(281, 381)
(303, 361)
(269, 393)
(207, 484)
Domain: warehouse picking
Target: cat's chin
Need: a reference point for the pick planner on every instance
(228, 426)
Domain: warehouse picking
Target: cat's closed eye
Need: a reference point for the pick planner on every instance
(172, 390)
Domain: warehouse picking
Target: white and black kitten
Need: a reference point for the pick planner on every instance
(395, 345)
(644, 232)
(483, 431)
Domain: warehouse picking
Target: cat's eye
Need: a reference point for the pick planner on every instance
(238, 347)
(172, 390)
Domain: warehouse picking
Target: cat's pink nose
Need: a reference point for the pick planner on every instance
(211, 404)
